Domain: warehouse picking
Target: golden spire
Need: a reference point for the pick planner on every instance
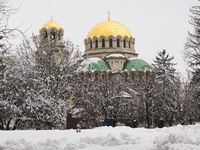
(109, 16)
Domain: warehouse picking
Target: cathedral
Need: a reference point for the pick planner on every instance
(109, 46)
(109, 53)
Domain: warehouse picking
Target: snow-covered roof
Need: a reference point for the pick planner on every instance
(132, 91)
(135, 64)
(76, 110)
(93, 64)
(124, 94)
(115, 56)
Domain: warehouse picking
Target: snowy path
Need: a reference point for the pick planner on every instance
(104, 138)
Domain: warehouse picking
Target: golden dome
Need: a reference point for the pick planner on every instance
(51, 24)
(108, 28)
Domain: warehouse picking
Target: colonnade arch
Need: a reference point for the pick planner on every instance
(109, 42)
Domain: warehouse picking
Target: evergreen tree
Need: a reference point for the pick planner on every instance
(167, 91)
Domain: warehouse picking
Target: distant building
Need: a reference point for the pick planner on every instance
(109, 52)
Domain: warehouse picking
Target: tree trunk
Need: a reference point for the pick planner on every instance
(147, 115)
(1, 124)
(171, 119)
(148, 121)
(15, 124)
(8, 124)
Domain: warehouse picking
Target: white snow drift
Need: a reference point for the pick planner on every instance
(104, 138)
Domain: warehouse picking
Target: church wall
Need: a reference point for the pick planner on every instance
(116, 63)
(100, 75)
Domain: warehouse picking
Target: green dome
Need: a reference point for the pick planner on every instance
(93, 64)
(134, 64)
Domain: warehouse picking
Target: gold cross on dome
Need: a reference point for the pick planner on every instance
(109, 15)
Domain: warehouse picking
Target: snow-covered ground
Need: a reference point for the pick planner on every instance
(104, 138)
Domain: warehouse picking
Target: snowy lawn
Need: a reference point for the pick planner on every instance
(104, 138)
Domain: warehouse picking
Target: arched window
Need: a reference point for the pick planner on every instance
(90, 44)
(103, 43)
(53, 35)
(125, 43)
(118, 43)
(45, 34)
(110, 43)
(96, 43)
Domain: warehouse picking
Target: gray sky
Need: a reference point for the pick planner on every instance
(155, 24)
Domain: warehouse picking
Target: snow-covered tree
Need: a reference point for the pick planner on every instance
(190, 105)
(10, 83)
(145, 87)
(10, 98)
(104, 99)
(192, 54)
(192, 47)
(167, 91)
(101, 100)
(47, 87)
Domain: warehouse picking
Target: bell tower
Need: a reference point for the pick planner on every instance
(51, 44)
(51, 31)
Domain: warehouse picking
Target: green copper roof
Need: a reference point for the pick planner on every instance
(93, 64)
(136, 65)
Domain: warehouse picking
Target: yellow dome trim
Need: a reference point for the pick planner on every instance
(108, 28)
(51, 24)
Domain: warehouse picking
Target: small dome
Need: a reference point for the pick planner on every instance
(93, 64)
(134, 64)
(108, 28)
(51, 24)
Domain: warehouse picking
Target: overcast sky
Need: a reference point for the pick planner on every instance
(155, 24)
